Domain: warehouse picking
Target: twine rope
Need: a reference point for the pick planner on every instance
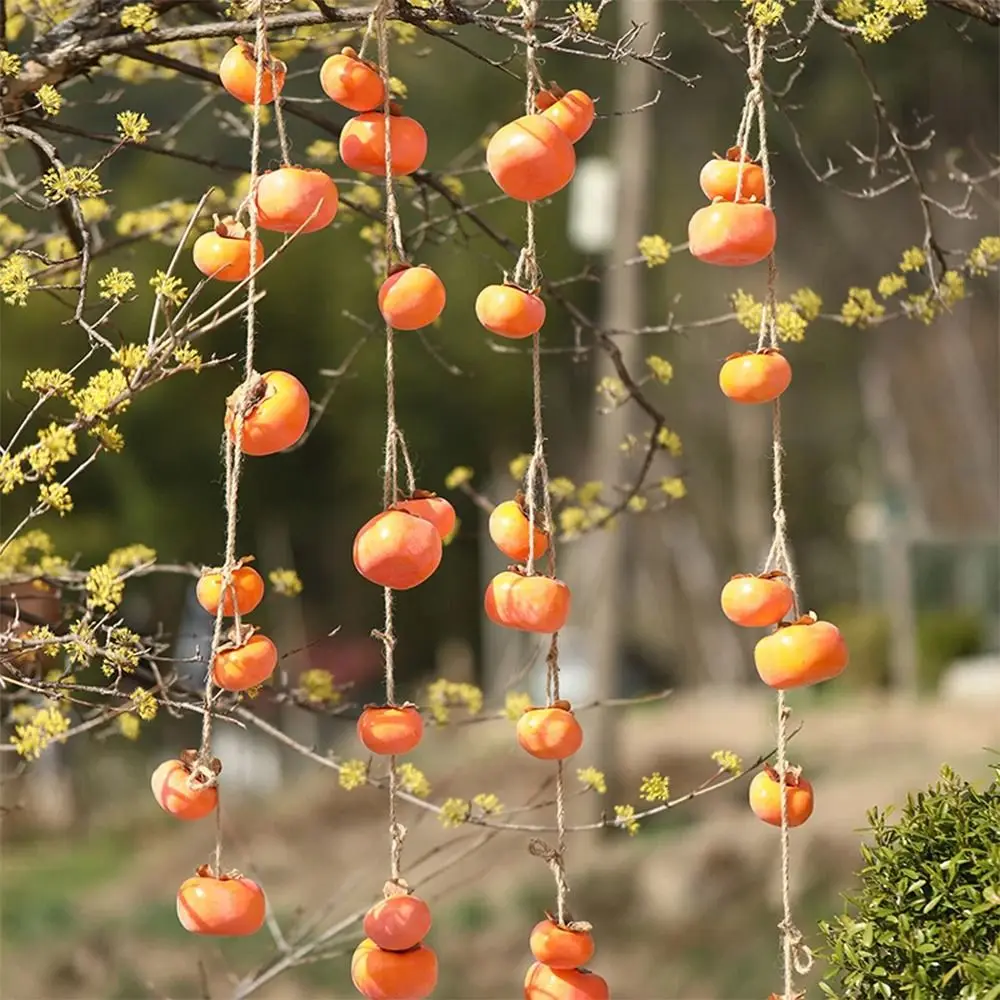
(796, 956)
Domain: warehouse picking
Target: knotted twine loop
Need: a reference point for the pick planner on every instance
(538, 500)
(796, 956)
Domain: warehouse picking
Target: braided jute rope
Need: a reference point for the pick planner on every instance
(796, 956)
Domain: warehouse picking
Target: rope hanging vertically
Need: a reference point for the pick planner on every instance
(796, 957)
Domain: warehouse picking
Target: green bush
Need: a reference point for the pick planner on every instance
(925, 924)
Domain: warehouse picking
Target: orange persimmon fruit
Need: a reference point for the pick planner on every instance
(288, 197)
(362, 143)
(551, 732)
(353, 83)
(397, 549)
(223, 253)
(248, 660)
(530, 158)
(398, 923)
(801, 653)
(275, 414)
(176, 794)
(510, 311)
(757, 601)
(431, 508)
(529, 603)
(390, 730)
(718, 177)
(765, 796)
(509, 528)
(248, 585)
(545, 983)
(572, 113)
(393, 975)
(561, 947)
(411, 297)
(732, 233)
(223, 905)
(755, 376)
(238, 73)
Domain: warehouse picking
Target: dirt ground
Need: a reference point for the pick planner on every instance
(685, 910)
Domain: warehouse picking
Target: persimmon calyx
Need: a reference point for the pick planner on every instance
(809, 619)
(421, 495)
(735, 153)
(247, 398)
(396, 887)
(792, 774)
(773, 574)
(395, 109)
(239, 564)
(205, 871)
(250, 51)
(189, 758)
(569, 924)
(405, 705)
(237, 637)
(229, 228)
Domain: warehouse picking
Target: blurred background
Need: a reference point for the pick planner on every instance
(893, 493)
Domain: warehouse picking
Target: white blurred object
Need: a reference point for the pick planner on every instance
(972, 678)
(866, 521)
(576, 676)
(593, 205)
(248, 762)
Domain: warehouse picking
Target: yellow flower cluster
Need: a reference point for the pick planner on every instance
(443, 695)
(30, 738)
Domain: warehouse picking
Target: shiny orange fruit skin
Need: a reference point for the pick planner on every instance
(224, 258)
(544, 983)
(800, 655)
(278, 420)
(288, 196)
(411, 298)
(550, 733)
(398, 923)
(572, 114)
(529, 603)
(755, 377)
(765, 799)
(435, 509)
(398, 550)
(390, 731)
(509, 311)
(559, 947)
(362, 144)
(222, 907)
(238, 73)
(247, 583)
(530, 158)
(756, 601)
(393, 975)
(509, 529)
(351, 82)
(732, 233)
(245, 666)
(170, 789)
(718, 180)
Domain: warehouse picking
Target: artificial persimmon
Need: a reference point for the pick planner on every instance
(510, 311)
(755, 376)
(393, 975)
(296, 199)
(238, 74)
(220, 905)
(431, 508)
(397, 549)
(529, 603)
(572, 113)
(530, 158)
(275, 414)
(411, 297)
(398, 923)
(561, 946)
(362, 143)
(732, 233)
(551, 732)
(176, 793)
(247, 584)
(801, 653)
(244, 662)
(545, 983)
(719, 177)
(510, 530)
(765, 796)
(353, 83)
(757, 601)
(224, 252)
(390, 730)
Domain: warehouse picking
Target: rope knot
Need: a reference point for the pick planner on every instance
(802, 956)
(203, 769)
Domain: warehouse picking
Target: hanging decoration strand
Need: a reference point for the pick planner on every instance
(796, 956)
